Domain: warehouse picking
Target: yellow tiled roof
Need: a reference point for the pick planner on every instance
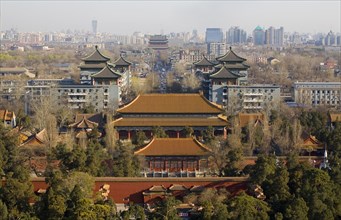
(174, 147)
(6, 115)
(246, 118)
(334, 117)
(171, 103)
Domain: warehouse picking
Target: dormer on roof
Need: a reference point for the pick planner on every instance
(177, 187)
(230, 57)
(96, 56)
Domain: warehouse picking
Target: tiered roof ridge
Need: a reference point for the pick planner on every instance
(96, 56)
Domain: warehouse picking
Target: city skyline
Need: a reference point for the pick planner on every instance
(118, 17)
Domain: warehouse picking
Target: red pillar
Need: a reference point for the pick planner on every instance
(128, 135)
(177, 134)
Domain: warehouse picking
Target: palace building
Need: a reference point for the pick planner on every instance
(171, 112)
(158, 42)
(181, 157)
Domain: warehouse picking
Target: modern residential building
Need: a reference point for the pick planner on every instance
(250, 98)
(318, 93)
(101, 85)
(216, 49)
(214, 35)
(274, 37)
(235, 35)
(94, 26)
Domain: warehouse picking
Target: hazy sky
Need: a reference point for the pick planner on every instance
(125, 17)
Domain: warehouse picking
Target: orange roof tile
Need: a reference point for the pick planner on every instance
(310, 141)
(246, 118)
(334, 117)
(174, 147)
(87, 121)
(170, 121)
(39, 139)
(171, 103)
(84, 123)
(6, 115)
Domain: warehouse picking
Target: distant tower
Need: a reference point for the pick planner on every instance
(94, 26)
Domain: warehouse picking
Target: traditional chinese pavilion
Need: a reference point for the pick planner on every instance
(172, 112)
(175, 157)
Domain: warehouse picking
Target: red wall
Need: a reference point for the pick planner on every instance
(125, 190)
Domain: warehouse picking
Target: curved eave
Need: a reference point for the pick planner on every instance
(89, 58)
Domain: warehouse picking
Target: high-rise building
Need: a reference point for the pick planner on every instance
(214, 35)
(94, 26)
(258, 36)
(235, 35)
(279, 36)
(216, 49)
(270, 36)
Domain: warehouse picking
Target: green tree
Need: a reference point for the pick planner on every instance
(296, 209)
(233, 158)
(276, 188)
(3, 211)
(139, 138)
(208, 135)
(246, 207)
(159, 132)
(264, 167)
(134, 211)
(16, 193)
(167, 209)
(319, 193)
(124, 162)
(188, 131)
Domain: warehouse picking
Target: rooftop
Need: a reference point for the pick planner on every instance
(246, 118)
(230, 56)
(106, 73)
(174, 147)
(224, 73)
(96, 56)
(171, 104)
(203, 62)
(121, 62)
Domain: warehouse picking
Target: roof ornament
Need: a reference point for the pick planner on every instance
(230, 47)
(96, 47)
